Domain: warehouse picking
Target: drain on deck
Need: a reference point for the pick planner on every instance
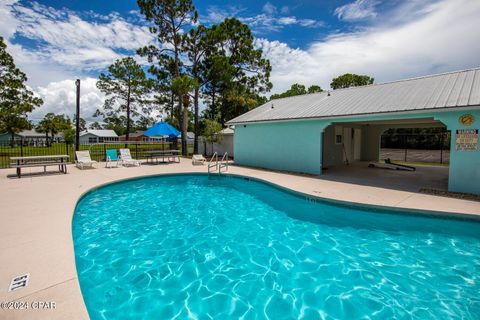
(19, 282)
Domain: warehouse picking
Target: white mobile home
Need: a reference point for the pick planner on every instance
(98, 136)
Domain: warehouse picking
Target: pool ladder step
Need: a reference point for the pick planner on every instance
(219, 167)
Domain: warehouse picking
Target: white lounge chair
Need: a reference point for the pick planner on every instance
(127, 159)
(198, 159)
(83, 159)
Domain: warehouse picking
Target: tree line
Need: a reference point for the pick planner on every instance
(344, 81)
(416, 138)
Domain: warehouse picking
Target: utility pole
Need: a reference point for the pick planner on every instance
(77, 117)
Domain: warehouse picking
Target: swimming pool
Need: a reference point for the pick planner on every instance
(190, 246)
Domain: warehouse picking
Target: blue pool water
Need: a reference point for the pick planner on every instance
(186, 246)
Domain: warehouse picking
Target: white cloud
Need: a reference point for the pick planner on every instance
(268, 21)
(310, 23)
(358, 10)
(59, 98)
(443, 38)
(217, 14)
(269, 8)
(8, 23)
(63, 45)
(67, 39)
(287, 20)
(265, 23)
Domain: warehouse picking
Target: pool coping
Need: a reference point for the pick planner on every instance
(66, 290)
(349, 204)
(371, 207)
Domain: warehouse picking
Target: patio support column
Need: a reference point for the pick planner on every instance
(371, 134)
(464, 171)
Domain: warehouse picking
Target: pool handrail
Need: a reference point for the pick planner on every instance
(223, 163)
(211, 165)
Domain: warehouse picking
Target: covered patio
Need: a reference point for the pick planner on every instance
(349, 147)
(425, 177)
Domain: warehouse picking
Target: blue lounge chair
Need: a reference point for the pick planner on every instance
(111, 157)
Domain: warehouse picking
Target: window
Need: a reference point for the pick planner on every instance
(338, 139)
(338, 134)
(92, 140)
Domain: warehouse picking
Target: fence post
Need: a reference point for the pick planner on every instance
(405, 145)
(105, 151)
(21, 147)
(136, 150)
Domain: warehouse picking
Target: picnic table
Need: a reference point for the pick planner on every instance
(157, 154)
(39, 161)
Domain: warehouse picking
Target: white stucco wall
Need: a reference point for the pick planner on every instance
(226, 145)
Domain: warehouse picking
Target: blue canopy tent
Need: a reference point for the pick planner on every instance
(162, 129)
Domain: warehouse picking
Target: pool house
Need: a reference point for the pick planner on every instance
(312, 132)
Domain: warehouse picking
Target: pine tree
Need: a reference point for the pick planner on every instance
(126, 88)
(16, 100)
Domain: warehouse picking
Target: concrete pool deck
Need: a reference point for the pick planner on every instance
(36, 215)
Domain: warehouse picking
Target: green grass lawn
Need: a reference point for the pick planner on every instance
(97, 152)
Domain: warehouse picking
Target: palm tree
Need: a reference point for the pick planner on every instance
(182, 86)
(46, 125)
(53, 124)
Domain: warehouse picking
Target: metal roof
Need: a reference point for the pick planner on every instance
(133, 134)
(100, 133)
(32, 134)
(447, 90)
(227, 131)
(36, 134)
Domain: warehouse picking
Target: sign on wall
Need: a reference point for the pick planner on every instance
(466, 119)
(466, 140)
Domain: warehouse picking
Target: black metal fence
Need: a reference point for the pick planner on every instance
(428, 148)
(97, 151)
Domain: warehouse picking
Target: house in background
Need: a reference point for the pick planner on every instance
(137, 136)
(6, 138)
(141, 137)
(224, 145)
(30, 138)
(98, 136)
(190, 137)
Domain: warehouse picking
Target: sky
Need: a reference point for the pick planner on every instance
(309, 41)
